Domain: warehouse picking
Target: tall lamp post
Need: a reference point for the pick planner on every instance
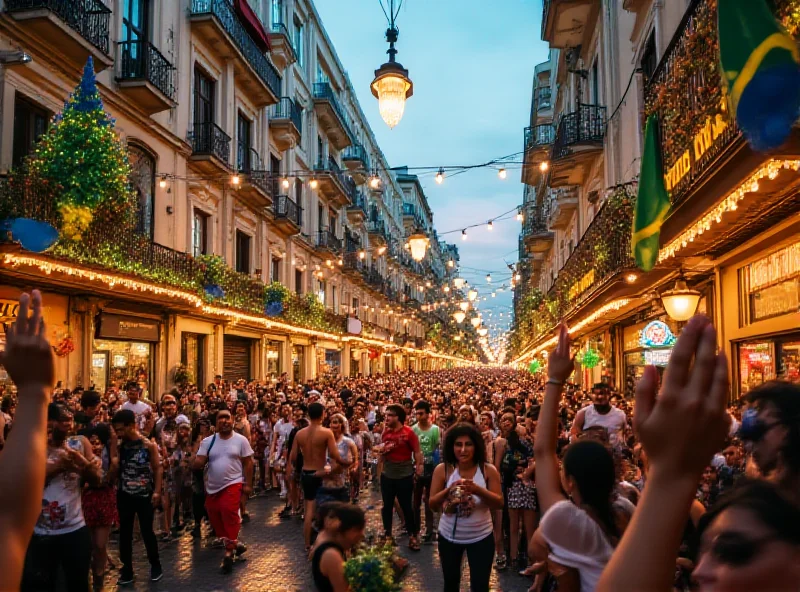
(391, 85)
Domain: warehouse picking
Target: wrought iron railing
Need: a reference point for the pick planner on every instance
(345, 182)
(539, 136)
(208, 139)
(378, 227)
(324, 91)
(224, 12)
(543, 98)
(587, 125)
(352, 262)
(326, 239)
(280, 29)
(140, 60)
(536, 218)
(285, 208)
(357, 152)
(90, 18)
(359, 203)
(287, 108)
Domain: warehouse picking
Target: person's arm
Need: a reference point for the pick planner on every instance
(90, 471)
(548, 481)
(247, 431)
(28, 359)
(419, 459)
(293, 453)
(499, 450)
(158, 471)
(577, 424)
(331, 566)
(247, 468)
(113, 459)
(679, 429)
(439, 492)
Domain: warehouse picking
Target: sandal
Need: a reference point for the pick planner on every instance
(413, 543)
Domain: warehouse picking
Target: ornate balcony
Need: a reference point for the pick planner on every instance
(378, 235)
(286, 123)
(211, 148)
(569, 23)
(332, 117)
(357, 211)
(563, 204)
(356, 160)
(282, 52)
(579, 139)
(538, 141)
(217, 24)
(288, 215)
(327, 242)
(536, 234)
(333, 183)
(74, 29)
(146, 76)
(255, 182)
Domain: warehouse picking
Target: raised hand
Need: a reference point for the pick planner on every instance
(682, 427)
(28, 357)
(560, 364)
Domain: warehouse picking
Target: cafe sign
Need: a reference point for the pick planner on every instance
(705, 139)
(581, 285)
(113, 326)
(8, 310)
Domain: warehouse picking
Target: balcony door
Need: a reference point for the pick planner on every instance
(135, 33)
(244, 140)
(203, 98)
(276, 15)
(143, 183)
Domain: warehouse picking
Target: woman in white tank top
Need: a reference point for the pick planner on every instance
(466, 489)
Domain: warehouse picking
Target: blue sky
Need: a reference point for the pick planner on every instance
(472, 66)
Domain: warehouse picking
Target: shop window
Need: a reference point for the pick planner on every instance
(192, 346)
(298, 361)
(143, 184)
(243, 241)
(116, 362)
(199, 233)
(756, 364)
(30, 123)
(273, 357)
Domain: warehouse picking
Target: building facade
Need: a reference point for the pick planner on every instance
(252, 159)
(732, 231)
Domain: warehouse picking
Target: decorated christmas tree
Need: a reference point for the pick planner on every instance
(84, 163)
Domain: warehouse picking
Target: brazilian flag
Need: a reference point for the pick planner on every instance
(652, 201)
(761, 66)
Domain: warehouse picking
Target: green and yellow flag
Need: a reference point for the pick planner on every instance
(760, 62)
(652, 201)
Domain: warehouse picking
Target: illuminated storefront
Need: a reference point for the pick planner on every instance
(123, 350)
(646, 344)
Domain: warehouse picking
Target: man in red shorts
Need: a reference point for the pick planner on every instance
(229, 458)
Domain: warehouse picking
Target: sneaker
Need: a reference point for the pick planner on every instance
(427, 538)
(501, 562)
(125, 578)
(283, 495)
(166, 538)
(156, 573)
(227, 564)
(241, 549)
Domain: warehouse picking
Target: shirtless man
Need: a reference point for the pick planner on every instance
(313, 442)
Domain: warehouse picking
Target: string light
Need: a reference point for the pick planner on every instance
(375, 182)
(489, 278)
(235, 179)
(440, 176)
(502, 173)
(543, 166)
(362, 254)
(464, 234)
(729, 203)
(451, 263)
(520, 216)
(490, 226)
(313, 183)
(285, 183)
(381, 250)
(163, 182)
(446, 289)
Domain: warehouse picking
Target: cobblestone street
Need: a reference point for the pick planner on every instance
(276, 561)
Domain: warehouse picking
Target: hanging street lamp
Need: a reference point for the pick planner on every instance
(681, 301)
(459, 316)
(391, 85)
(418, 244)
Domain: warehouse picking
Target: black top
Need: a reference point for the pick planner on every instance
(322, 583)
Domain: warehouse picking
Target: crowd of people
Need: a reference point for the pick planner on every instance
(574, 487)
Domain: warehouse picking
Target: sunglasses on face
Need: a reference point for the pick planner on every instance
(735, 549)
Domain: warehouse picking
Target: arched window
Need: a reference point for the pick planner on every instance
(143, 183)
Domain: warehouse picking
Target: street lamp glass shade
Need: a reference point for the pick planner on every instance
(459, 316)
(392, 87)
(476, 322)
(464, 306)
(472, 295)
(419, 245)
(680, 302)
(459, 283)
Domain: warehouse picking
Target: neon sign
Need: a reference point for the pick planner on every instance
(657, 334)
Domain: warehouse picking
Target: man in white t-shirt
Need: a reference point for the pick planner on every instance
(280, 433)
(145, 420)
(229, 459)
(602, 414)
